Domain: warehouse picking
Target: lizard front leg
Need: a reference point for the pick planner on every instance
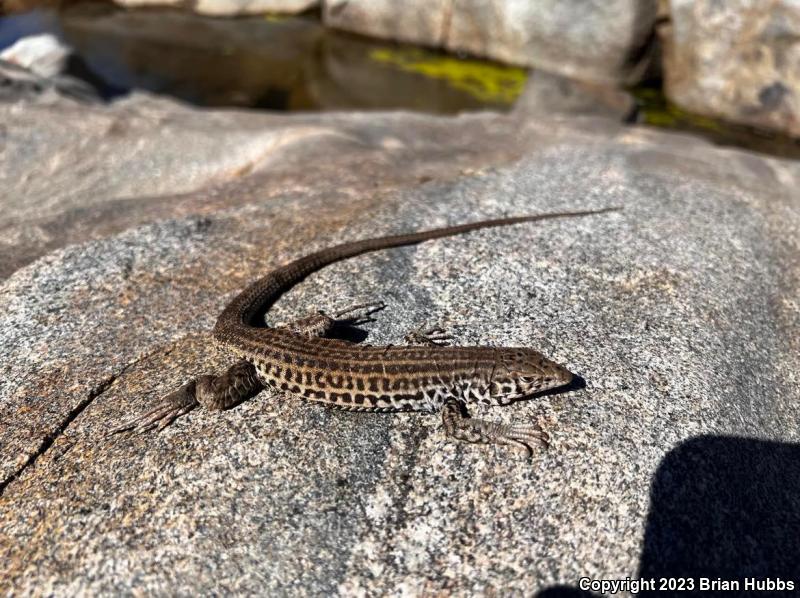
(461, 427)
(319, 324)
(433, 337)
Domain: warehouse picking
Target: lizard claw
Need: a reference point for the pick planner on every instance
(359, 314)
(171, 407)
(435, 337)
(529, 437)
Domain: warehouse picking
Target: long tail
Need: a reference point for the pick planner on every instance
(257, 298)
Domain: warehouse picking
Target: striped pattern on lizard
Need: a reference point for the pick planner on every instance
(297, 360)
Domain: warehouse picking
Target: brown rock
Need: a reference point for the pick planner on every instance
(737, 60)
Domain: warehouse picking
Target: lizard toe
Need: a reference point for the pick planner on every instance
(172, 406)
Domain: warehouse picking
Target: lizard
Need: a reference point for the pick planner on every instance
(296, 359)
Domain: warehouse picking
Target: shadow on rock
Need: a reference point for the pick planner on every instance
(722, 508)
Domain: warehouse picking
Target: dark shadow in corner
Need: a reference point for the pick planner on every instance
(722, 508)
(728, 508)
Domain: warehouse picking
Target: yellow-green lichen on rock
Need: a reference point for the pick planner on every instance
(659, 112)
(488, 82)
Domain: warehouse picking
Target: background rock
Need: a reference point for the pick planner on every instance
(230, 7)
(44, 54)
(72, 173)
(736, 60)
(238, 7)
(606, 42)
(20, 84)
(547, 94)
(680, 313)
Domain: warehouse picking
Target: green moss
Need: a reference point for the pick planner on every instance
(660, 112)
(485, 81)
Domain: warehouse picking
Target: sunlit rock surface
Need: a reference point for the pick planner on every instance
(679, 312)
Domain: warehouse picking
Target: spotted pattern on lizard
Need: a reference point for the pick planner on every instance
(297, 360)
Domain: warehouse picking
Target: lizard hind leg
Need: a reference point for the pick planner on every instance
(461, 427)
(239, 383)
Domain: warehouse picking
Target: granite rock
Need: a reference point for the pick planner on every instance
(604, 42)
(43, 54)
(72, 172)
(680, 313)
(737, 60)
(547, 95)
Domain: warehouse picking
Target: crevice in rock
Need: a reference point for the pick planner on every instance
(48, 440)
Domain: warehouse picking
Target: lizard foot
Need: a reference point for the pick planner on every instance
(359, 314)
(526, 436)
(170, 408)
(435, 337)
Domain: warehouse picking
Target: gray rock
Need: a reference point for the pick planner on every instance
(43, 54)
(72, 173)
(241, 7)
(680, 313)
(20, 84)
(547, 94)
(605, 42)
(735, 60)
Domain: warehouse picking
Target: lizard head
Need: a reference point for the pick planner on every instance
(522, 372)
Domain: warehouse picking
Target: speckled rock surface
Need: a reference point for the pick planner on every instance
(72, 172)
(680, 313)
(738, 60)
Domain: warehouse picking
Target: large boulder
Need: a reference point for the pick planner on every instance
(600, 41)
(737, 60)
(679, 312)
(94, 172)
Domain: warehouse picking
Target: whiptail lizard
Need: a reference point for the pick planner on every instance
(296, 359)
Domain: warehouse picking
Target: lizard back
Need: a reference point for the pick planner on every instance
(390, 378)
